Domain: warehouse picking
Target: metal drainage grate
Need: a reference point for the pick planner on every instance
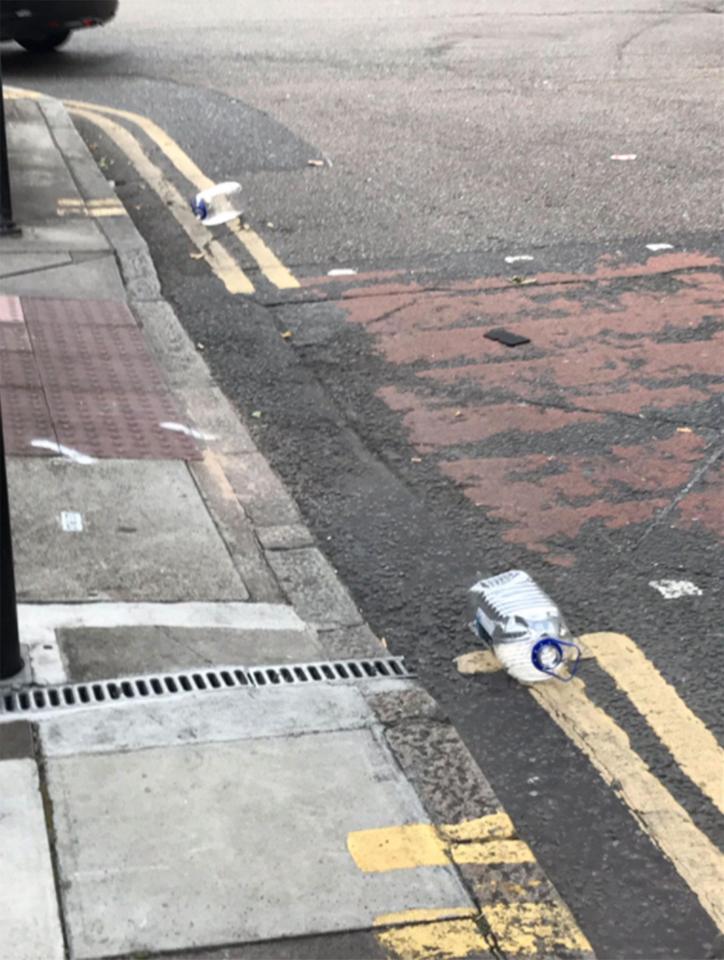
(329, 670)
(69, 696)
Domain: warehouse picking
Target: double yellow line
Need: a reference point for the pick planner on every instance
(691, 744)
(521, 911)
(217, 255)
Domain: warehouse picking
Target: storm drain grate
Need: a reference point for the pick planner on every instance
(70, 696)
(328, 670)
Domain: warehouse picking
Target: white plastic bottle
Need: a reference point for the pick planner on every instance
(524, 627)
(218, 204)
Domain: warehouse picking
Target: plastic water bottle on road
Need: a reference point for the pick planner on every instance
(218, 204)
(524, 627)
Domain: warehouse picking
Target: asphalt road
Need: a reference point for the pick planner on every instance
(454, 135)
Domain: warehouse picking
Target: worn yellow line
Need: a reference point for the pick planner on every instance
(21, 93)
(519, 928)
(106, 212)
(217, 256)
(423, 915)
(690, 742)
(269, 264)
(445, 940)
(695, 857)
(397, 848)
(493, 851)
(425, 845)
(494, 826)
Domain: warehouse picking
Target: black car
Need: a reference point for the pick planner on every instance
(42, 25)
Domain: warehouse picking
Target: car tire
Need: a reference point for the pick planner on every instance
(51, 41)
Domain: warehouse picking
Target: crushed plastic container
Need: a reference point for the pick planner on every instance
(218, 204)
(524, 627)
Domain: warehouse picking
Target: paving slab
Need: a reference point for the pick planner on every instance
(16, 740)
(213, 717)
(52, 236)
(17, 263)
(93, 653)
(28, 906)
(313, 587)
(91, 278)
(250, 847)
(360, 945)
(145, 535)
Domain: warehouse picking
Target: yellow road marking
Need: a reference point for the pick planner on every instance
(520, 928)
(423, 915)
(216, 255)
(493, 851)
(425, 845)
(495, 826)
(607, 746)
(446, 940)
(397, 848)
(269, 264)
(690, 742)
(478, 661)
(70, 206)
(21, 93)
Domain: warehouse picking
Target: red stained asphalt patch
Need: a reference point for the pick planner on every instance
(611, 414)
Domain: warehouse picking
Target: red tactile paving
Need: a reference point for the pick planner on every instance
(84, 378)
(131, 373)
(25, 417)
(19, 369)
(93, 313)
(14, 337)
(124, 426)
(10, 310)
(83, 340)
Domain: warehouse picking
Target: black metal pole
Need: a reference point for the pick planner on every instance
(7, 224)
(11, 662)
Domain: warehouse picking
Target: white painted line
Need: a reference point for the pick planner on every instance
(522, 256)
(68, 452)
(623, 156)
(71, 522)
(342, 272)
(189, 431)
(673, 589)
(654, 247)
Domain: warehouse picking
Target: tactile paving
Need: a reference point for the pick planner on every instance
(25, 417)
(13, 337)
(10, 310)
(84, 379)
(77, 312)
(125, 426)
(19, 369)
(104, 392)
(89, 373)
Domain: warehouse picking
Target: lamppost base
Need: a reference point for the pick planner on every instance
(10, 229)
(23, 678)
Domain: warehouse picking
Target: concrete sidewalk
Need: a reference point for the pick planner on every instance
(157, 792)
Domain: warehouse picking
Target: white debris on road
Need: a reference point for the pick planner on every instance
(654, 247)
(522, 256)
(673, 589)
(71, 521)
